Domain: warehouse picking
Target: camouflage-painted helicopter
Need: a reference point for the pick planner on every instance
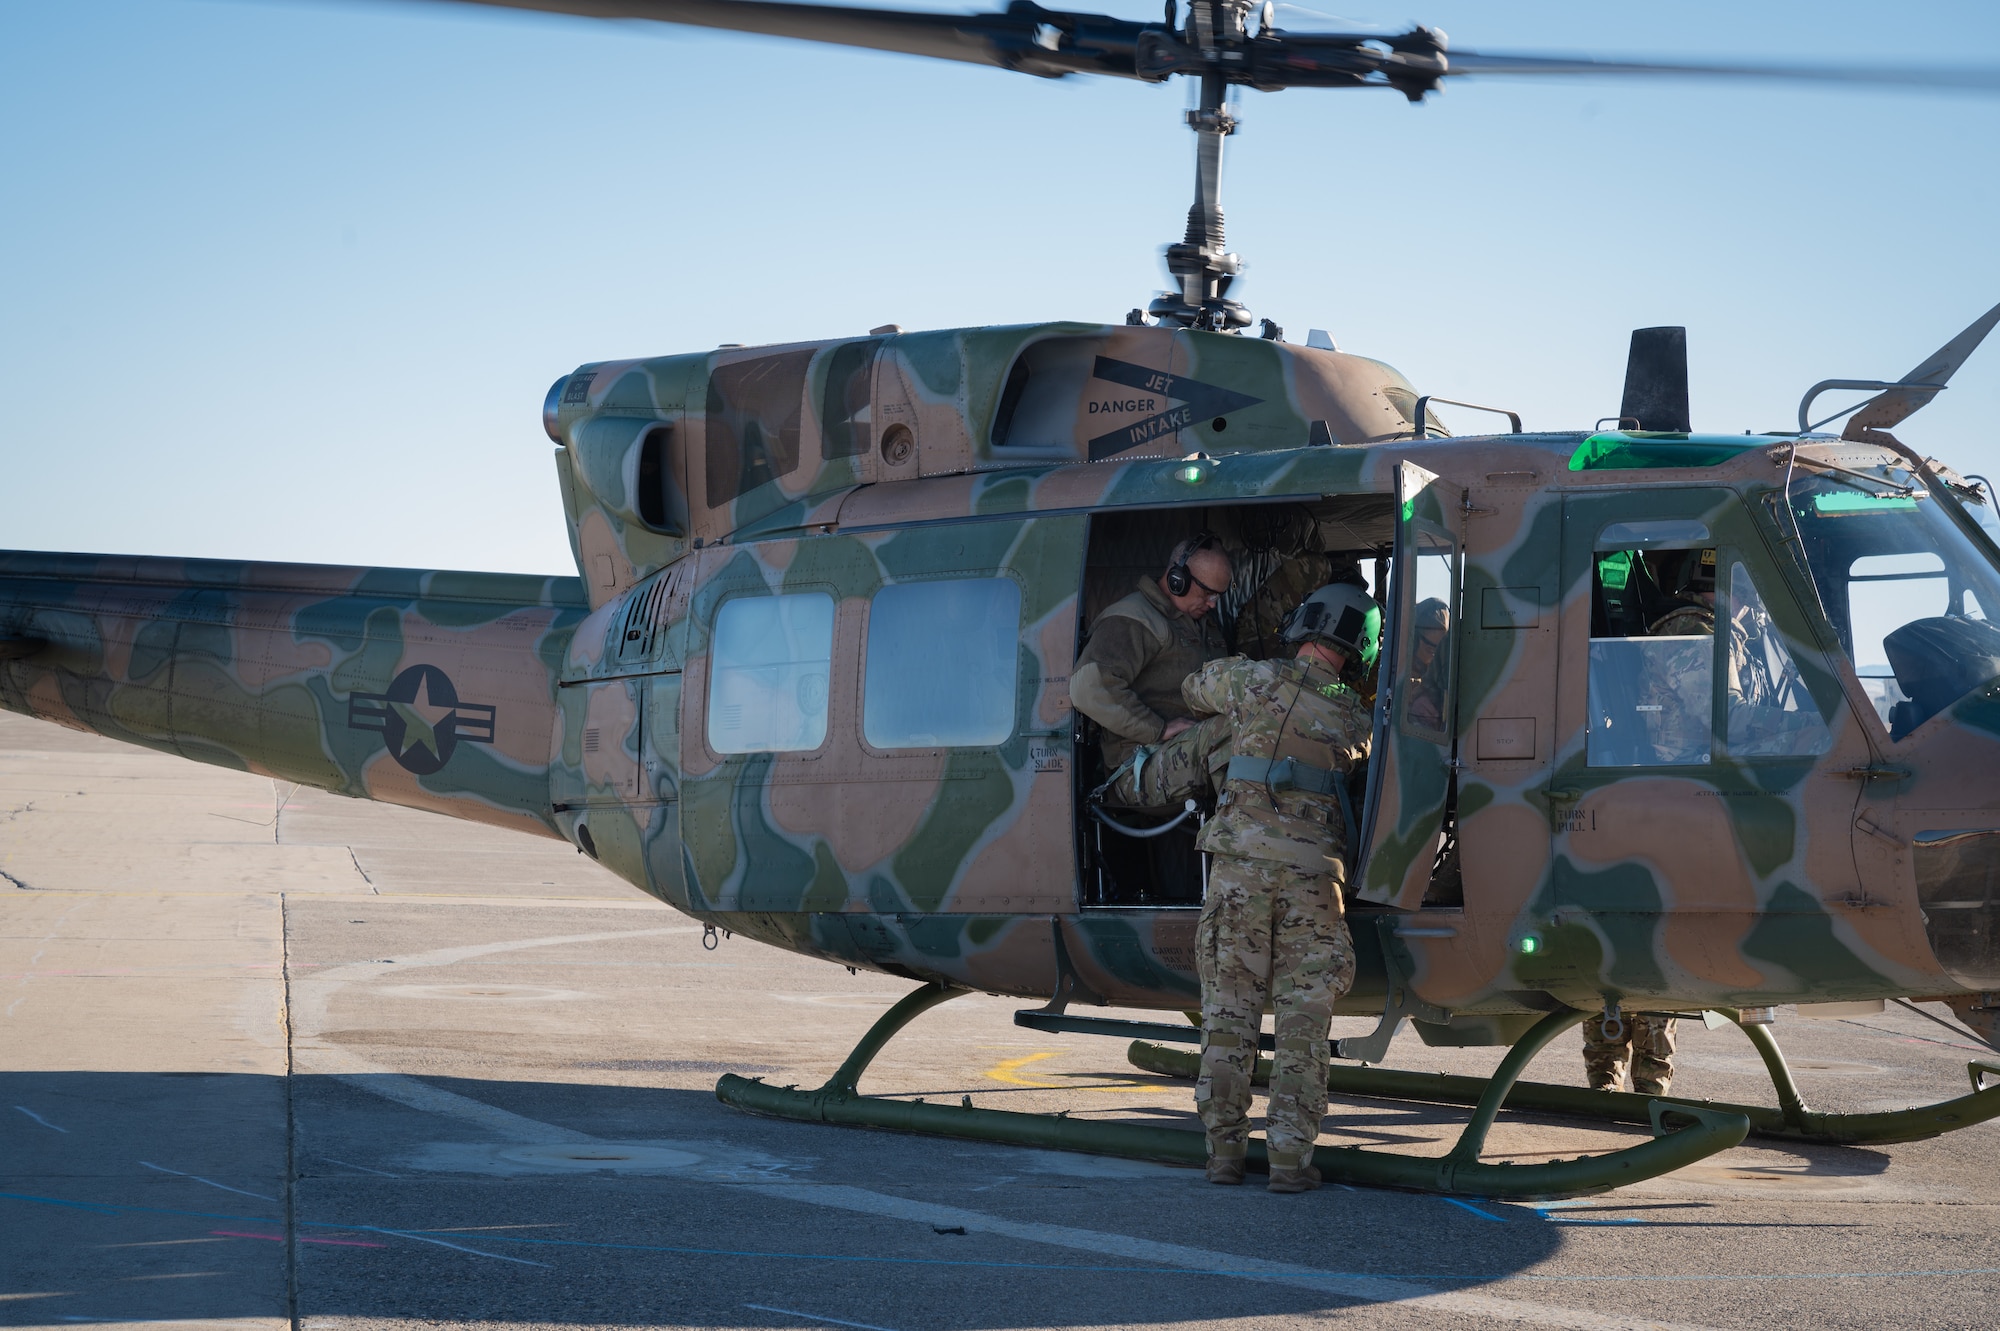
(743, 704)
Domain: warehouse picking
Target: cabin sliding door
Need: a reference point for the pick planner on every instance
(879, 722)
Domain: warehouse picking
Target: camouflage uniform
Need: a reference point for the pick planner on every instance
(1188, 766)
(1647, 1043)
(1674, 696)
(1271, 930)
(1128, 677)
(1256, 628)
(1295, 577)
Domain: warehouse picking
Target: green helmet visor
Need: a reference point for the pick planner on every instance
(1370, 645)
(1345, 616)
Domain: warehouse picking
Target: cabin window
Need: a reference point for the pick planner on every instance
(1770, 713)
(1652, 657)
(768, 664)
(944, 662)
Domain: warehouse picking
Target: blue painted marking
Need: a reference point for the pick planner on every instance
(1468, 1206)
(39, 1119)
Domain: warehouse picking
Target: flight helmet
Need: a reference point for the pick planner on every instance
(1343, 615)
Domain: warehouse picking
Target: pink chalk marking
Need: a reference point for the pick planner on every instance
(280, 1238)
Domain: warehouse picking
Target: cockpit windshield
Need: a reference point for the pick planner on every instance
(1914, 599)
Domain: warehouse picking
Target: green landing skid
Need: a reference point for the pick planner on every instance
(1790, 1121)
(1684, 1133)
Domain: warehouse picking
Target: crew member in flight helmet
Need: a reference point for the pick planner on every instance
(1128, 676)
(1271, 928)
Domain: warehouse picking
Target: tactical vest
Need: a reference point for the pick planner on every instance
(1297, 733)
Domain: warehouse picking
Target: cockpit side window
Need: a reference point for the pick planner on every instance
(1771, 715)
(1652, 650)
(1910, 595)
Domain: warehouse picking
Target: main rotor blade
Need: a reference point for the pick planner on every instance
(1051, 43)
(1972, 79)
(1024, 37)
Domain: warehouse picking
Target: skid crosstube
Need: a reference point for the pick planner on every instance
(1698, 1132)
(1791, 1121)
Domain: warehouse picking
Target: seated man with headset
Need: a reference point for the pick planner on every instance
(1190, 763)
(1128, 678)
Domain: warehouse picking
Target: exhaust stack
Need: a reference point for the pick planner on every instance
(1656, 380)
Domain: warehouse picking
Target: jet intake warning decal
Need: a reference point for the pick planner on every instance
(1154, 391)
(421, 719)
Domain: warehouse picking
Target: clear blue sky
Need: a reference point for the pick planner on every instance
(288, 280)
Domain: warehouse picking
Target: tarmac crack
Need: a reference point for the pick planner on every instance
(363, 872)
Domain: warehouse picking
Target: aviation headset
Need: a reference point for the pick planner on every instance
(1180, 580)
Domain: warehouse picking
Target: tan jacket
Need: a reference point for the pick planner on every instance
(1128, 678)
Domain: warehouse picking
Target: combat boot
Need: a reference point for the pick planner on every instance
(1302, 1179)
(1225, 1169)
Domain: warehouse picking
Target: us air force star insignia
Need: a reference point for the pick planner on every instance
(1199, 401)
(421, 719)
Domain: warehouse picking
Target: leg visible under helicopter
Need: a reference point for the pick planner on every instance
(1792, 1120)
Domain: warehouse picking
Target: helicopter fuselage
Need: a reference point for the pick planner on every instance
(811, 684)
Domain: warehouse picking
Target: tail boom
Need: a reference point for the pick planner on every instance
(425, 688)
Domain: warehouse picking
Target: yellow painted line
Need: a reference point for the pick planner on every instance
(1004, 1071)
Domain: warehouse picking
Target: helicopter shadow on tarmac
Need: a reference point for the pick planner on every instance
(135, 1195)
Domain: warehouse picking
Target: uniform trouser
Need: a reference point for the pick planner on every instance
(1269, 934)
(1647, 1044)
(1174, 771)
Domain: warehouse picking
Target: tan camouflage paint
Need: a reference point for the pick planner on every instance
(1768, 893)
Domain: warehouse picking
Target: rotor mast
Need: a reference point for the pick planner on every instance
(1200, 265)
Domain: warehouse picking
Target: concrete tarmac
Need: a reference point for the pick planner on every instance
(272, 1058)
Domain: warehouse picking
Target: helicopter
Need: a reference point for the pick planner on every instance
(809, 683)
